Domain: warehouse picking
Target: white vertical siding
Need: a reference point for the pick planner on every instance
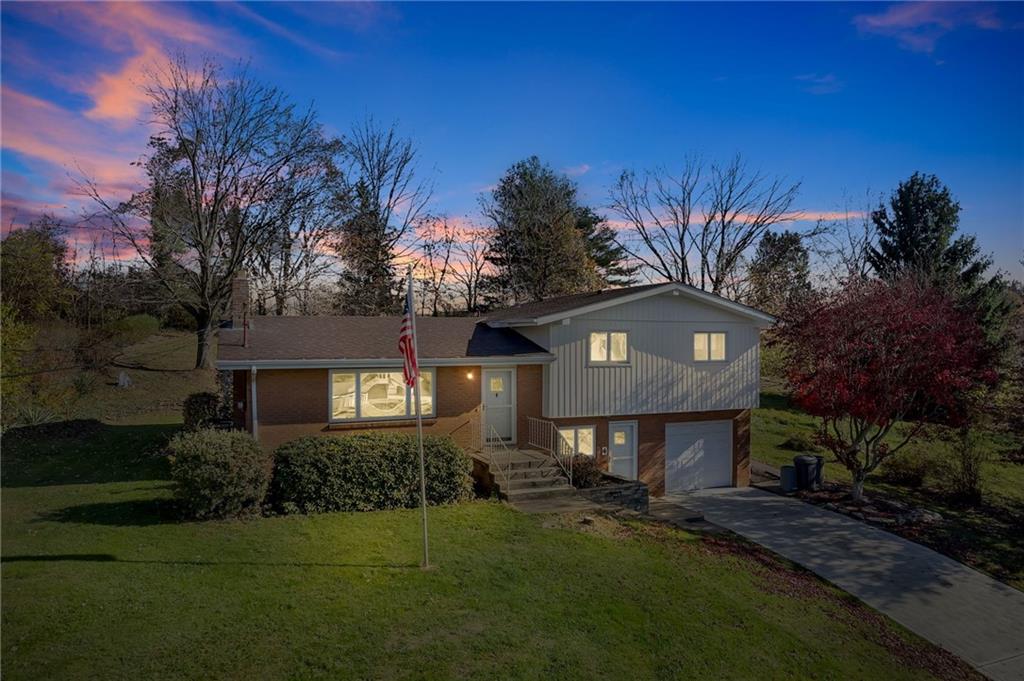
(661, 376)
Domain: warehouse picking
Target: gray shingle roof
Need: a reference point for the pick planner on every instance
(543, 308)
(328, 338)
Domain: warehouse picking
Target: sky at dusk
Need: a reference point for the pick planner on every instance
(846, 98)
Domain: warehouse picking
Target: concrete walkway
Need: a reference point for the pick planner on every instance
(974, 616)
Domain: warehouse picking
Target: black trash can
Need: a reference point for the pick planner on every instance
(806, 466)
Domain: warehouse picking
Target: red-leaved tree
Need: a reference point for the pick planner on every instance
(874, 353)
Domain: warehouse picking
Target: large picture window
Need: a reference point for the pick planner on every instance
(378, 395)
(609, 347)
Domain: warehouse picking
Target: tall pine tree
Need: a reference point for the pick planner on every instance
(543, 242)
(916, 234)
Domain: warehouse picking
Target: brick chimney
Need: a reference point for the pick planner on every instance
(239, 301)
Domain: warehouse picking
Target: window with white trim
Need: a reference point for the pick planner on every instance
(580, 438)
(378, 394)
(708, 346)
(609, 347)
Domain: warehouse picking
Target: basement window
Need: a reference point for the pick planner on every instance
(579, 438)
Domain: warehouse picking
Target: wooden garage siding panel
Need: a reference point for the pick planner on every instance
(662, 376)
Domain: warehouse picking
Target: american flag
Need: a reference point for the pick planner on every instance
(407, 342)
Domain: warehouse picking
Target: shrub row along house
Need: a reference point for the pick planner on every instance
(657, 381)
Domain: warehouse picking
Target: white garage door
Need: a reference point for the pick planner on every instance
(698, 455)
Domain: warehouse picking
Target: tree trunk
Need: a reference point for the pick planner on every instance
(204, 338)
(857, 491)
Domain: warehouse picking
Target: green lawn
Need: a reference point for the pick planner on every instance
(989, 537)
(100, 581)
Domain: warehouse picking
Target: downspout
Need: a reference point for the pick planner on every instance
(252, 401)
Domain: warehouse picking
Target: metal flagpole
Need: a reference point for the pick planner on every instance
(419, 421)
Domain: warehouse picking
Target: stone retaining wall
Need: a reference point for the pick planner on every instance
(631, 494)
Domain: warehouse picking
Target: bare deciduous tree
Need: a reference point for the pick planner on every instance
(696, 227)
(469, 267)
(842, 246)
(437, 243)
(389, 198)
(225, 171)
(299, 255)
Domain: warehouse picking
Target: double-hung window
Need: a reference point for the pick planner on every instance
(609, 347)
(580, 438)
(378, 394)
(708, 346)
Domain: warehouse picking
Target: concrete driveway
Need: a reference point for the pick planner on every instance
(941, 600)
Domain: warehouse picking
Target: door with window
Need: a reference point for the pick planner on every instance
(622, 449)
(499, 404)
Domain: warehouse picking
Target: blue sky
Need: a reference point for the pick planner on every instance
(846, 98)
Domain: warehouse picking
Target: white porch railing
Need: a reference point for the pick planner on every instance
(544, 436)
(498, 453)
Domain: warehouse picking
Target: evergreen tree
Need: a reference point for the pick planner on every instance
(915, 235)
(368, 285)
(543, 243)
(609, 256)
(779, 272)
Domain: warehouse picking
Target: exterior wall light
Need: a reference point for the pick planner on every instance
(469, 375)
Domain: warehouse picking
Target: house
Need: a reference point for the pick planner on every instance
(658, 379)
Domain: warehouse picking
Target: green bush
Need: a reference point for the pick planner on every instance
(366, 472)
(962, 471)
(133, 329)
(911, 467)
(799, 441)
(200, 410)
(219, 473)
(586, 471)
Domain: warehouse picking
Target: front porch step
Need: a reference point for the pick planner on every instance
(531, 493)
(547, 471)
(519, 484)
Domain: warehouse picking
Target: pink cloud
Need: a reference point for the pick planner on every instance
(918, 26)
(46, 132)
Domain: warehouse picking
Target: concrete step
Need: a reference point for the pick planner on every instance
(530, 493)
(537, 472)
(516, 484)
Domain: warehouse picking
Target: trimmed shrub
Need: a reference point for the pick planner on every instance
(200, 410)
(799, 441)
(366, 472)
(586, 471)
(220, 473)
(910, 467)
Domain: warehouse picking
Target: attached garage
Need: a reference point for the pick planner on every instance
(698, 454)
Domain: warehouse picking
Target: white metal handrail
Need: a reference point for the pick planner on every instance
(495, 446)
(544, 435)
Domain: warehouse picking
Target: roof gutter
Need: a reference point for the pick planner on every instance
(228, 364)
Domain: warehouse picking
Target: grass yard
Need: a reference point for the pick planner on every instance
(989, 537)
(100, 581)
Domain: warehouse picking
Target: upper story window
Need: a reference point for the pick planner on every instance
(708, 346)
(376, 394)
(609, 347)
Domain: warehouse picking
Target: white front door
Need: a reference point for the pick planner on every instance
(499, 404)
(622, 449)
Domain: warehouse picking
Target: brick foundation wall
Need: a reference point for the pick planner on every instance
(651, 441)
(293, 403)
